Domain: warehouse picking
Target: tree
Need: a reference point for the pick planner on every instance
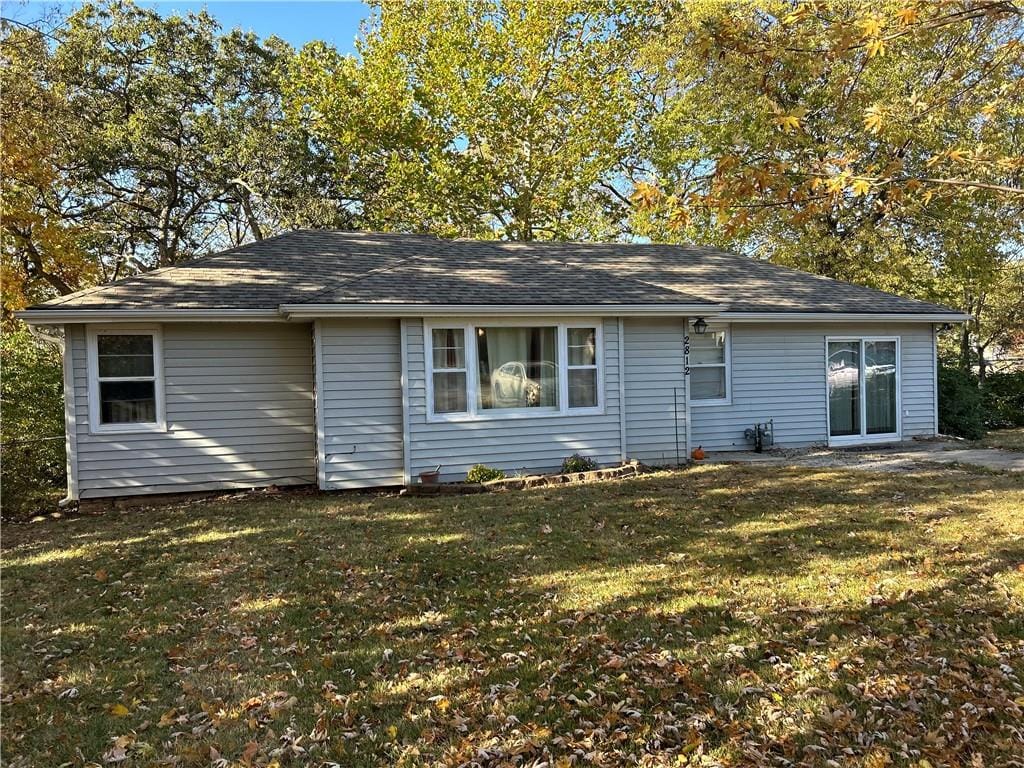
(877, 143)
(134, 141)
(819, 122)
(43, 249)
(489, 118)
(184, 142)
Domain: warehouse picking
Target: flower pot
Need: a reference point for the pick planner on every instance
(430, 477)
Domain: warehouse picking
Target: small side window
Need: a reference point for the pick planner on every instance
(709, 365)
(582, 367)
(125, 388)
(449, 366)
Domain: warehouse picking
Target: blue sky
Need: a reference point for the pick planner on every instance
(334, 21)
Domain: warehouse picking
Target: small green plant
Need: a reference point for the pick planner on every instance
(578, 463)
(481, 473)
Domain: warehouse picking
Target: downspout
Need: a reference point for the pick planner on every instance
(935, 379)
(687, 439)
(318, 406)
(70, 422)
(622, 392)
(403, 338)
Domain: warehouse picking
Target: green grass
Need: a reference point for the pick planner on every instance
(1008, 439)
(723, 615)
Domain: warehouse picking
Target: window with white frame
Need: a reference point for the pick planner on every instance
(582, 367)
(496, 370)
(125, 387)
(709, 365)
(449, 378)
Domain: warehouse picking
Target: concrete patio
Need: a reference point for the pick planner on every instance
(907, 457)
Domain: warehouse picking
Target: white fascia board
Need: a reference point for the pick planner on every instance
(305, 311)
(843, 317)
(60, 316)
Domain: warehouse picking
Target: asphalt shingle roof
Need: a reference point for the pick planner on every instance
(327, 267)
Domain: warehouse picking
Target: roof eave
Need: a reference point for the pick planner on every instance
(844, 317)
(58, 316)
(312, 311)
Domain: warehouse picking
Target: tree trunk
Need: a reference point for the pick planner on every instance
(965, 348)
(982, 364)
(254, 223)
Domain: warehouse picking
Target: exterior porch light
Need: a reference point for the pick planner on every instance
(700, 326)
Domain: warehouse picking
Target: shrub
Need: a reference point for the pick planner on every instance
(960, 409)
(32, 463)
(578, 463)
(1003, 399)
(481, 473)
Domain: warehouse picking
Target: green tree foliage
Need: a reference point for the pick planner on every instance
(960, 408)
(1003, 399)
(32, 428)
(485, 118)
(817, 123)
(879, 143)
(43, 249)
(139, 141)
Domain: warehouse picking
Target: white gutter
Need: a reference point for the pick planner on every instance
(842, 317)
(305, 311)
(58, 316)
(311, 311)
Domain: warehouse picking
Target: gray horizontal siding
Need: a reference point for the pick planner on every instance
(778, 372)
(362, 403)
(655, 390)
(514, 444)
(239, 408)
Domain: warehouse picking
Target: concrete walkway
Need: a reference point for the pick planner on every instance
(908, 457)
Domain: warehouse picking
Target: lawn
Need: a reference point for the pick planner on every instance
(1008, 439)
(722, 615)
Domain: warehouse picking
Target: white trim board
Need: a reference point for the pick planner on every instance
(318, 406)
(622, 390)
(842, 317)
(57, 316)
(300, 311)
(287, 312)
(403, 337)
(70, 420)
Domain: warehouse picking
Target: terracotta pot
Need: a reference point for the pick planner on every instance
(429, 478)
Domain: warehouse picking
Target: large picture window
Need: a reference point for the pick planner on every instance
(518, 367)
(709, 366)
(125, 387)
(863, 389)
(495, 370)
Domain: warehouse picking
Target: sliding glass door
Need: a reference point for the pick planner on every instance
(863, 389)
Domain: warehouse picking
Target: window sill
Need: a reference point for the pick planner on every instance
(516, 415)
(127, 429)
(703, 403)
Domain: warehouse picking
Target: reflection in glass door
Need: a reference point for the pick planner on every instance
(862, 388)
(880, 387)
(844, 388)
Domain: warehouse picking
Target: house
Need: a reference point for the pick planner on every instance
(355, 360)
